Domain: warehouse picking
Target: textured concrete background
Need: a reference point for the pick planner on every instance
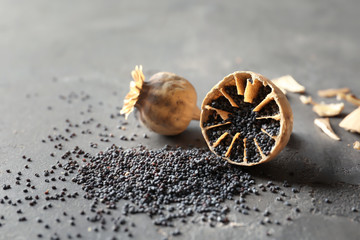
(53, 48)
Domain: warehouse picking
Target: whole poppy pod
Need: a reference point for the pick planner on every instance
(166, 103)
(246, 119)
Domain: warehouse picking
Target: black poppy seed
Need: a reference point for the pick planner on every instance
(286, 184)
(286, 203)
(176, 232)
(245, 212)
(268, 220)
(124, 138)
(267, 213)
(115, 228)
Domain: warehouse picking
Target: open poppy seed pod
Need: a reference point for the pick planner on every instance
(246, 119)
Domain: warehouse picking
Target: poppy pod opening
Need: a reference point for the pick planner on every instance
(246, 119)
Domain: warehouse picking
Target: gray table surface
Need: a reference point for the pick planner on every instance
(50, 49)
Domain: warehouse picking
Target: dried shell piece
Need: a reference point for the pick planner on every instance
(356, 145)
(288, 83)
(246, 119)
(349, 97)
(352, 121)
(306, 99)
(332, 92)
(324, 125)
(328, 110)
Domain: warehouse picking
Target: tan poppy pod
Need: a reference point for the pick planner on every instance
(246, 119)
(166, 103)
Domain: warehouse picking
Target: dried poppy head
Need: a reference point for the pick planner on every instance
(246, 119)
(166, 103)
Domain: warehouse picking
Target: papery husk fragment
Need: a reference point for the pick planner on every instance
(288, 83)
(356, 145)
(306, 99)
(328, 109)
(332, 92)
(349, 98)
(352, 121)
(324, 125)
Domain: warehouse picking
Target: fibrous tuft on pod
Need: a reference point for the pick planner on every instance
(246, 119)
(166, 103)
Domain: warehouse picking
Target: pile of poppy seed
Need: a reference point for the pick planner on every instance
(243, 120)
(188, 180)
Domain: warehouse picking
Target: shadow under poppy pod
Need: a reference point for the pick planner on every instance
(166, 103)
(246, 119)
